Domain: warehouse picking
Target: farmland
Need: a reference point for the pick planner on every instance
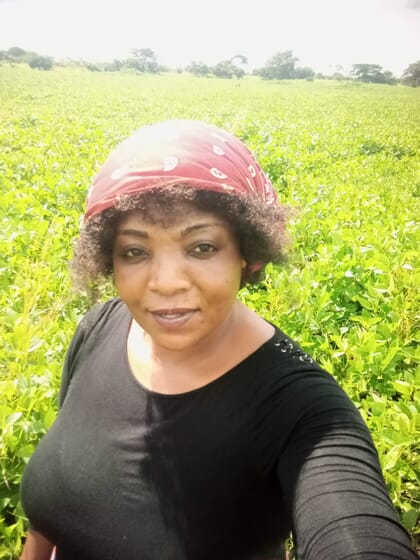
(344, 157)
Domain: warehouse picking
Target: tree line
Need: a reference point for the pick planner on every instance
(281, 66)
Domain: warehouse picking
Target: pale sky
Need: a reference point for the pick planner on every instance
(321, 33)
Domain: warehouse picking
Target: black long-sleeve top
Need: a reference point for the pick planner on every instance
(223, 472)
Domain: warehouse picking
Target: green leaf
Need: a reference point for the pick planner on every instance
(25, 452)
(409, 519)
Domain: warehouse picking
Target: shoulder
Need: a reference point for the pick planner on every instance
(98, 321)
(96, 324)
(102, 313)
(296, 389)
(102, 318)
(287, 364)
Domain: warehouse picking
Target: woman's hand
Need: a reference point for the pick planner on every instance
(36, 547)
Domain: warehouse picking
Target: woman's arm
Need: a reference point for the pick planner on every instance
(334, 487)
(36, 547)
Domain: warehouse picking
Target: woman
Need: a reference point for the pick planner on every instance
(190, 428)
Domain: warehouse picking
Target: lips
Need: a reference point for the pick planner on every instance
(172, 318)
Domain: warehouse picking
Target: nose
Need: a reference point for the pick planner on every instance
(168, 274)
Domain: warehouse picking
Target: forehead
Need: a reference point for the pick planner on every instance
(180, 215)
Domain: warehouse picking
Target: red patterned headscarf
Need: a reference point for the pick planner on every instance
(178, 152)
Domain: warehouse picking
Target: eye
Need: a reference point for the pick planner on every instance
(203, 249)
(133, 253)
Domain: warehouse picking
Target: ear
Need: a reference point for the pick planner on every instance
(244, 264)
(255, 267)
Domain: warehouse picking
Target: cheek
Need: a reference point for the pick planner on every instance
(116, 274)
(124, 280)
(225, 286)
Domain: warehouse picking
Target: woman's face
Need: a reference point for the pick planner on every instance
(179, 281)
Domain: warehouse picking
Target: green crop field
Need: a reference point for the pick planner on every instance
(343, 156)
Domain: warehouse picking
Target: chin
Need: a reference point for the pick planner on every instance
(176, 343)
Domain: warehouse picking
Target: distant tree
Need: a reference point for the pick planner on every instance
(41, 62)
(16, 52)
(281, 66)
(411, 75)
(144, 60)
(242, 59)
(388, 78)
(198, 68)
(225, 69)
(304, 72)
(114, 66)
(339, 76)
(71, 63)
(93, 67)
(238, 71)
(372, 73)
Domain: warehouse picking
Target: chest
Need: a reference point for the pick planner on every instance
(122, 433)
(126, 468)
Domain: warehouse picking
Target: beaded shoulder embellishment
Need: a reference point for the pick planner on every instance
(286, 346)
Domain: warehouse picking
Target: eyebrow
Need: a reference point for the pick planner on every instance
(186, 231)
(197, 227)
(133, 233)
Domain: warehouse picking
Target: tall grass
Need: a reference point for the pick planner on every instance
(343, 156)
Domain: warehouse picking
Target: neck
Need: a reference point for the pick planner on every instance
(176, 371)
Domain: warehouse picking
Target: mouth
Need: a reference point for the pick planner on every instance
(172, 318)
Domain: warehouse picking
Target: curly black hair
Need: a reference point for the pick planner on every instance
(259, 229)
